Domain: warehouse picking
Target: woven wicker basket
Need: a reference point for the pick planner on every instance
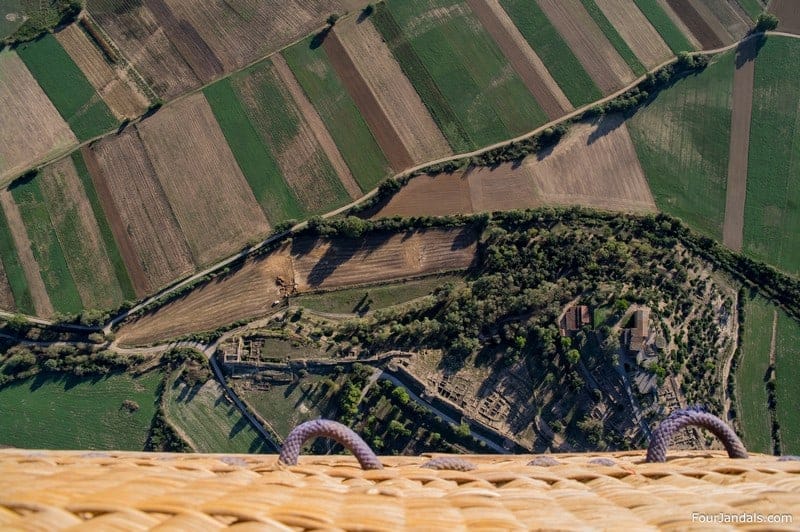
(51, 490)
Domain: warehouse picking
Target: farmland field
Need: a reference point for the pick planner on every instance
(754, 7)
(613, 36)
(636, 30)
(751, 390)
(555, 53)
(698, 25)
(676, 40)
(32, 128)
(78, 233)
(120, 93)
(772, 205)
(683, 139)
(470, 88)
(13, 272)
(56, 412)
(315, 74)
(212, 203)
(787, 371)
(350, 300)
(209, 422)
(47, 249)
(787, 12)
(67, 87)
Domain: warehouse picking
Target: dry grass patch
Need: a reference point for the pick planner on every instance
(6, 295)
(213, 204)
(637, 31)
(586, 39)
(397, 98)
(122, 96)
(31, 128)
(139, 212)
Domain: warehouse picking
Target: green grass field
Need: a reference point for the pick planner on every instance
(772, 206)
(56, 412)
(676, 40)
(614, 37)
(67, 87)
(787, 371)
(342, 118)
(212, 424)
(254, 158)
(752, 7)
(46, 247)
(10, 25)
(554, 52)
(13, 269)
(751, 390)
(683, 142)
(382, 296)
(460, 73)
(120, 271)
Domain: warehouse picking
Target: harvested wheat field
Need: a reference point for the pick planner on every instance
(141, 38)
(212, 202)
(246, 293)
(151, 242)
(636, 30)
(79, 234)
(586, 40)
(31, 128)
(323, 263)
(595, 166)
(526, 63)
(120, 93)
(788, 13)
(399, 106)
(41, 300)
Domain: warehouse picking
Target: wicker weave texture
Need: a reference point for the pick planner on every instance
(52, 490)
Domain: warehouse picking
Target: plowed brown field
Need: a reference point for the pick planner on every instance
(121, 95)
(30, 126)
(636, 30)
(679, 23)
(603, 63)
(700, 27)
(322, 263)
(131, 191)
(522, 57)
(41, 300)
(789, 14)
(400, 103)
(246, 293)
(213, 204)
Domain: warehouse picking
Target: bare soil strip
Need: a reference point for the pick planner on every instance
(147, 218)
(637, 31)
(788, 13)
(697, 26)
(431, 195)
(121, 95)
(41, 300)
(679, 23)
(701, 7)
(6, 295)
(773, 338)
(317, 126)
(31, 126)
(502, 188)
(595, 166)
(586, 39)
(522, 57)
(194, 50)
(733, 228)
(118, 227)
(213, 204)
(397, 97)
(248, 292)
(382, 129)
(89, 265)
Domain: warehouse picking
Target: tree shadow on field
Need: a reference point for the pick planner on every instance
(340, 251)
(748, 50)
(605, 125)
(319, 39)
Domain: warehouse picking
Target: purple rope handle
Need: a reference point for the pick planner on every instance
(662, 436)
(329, 429)
(451, 463)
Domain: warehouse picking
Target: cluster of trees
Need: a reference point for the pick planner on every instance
(49, 15)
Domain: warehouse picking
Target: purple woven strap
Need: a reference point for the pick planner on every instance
(451, 463)
(329, 429)
(662, 436)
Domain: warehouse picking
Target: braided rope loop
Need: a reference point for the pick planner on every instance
(451, 463)
(662, 436)
(328, 429)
